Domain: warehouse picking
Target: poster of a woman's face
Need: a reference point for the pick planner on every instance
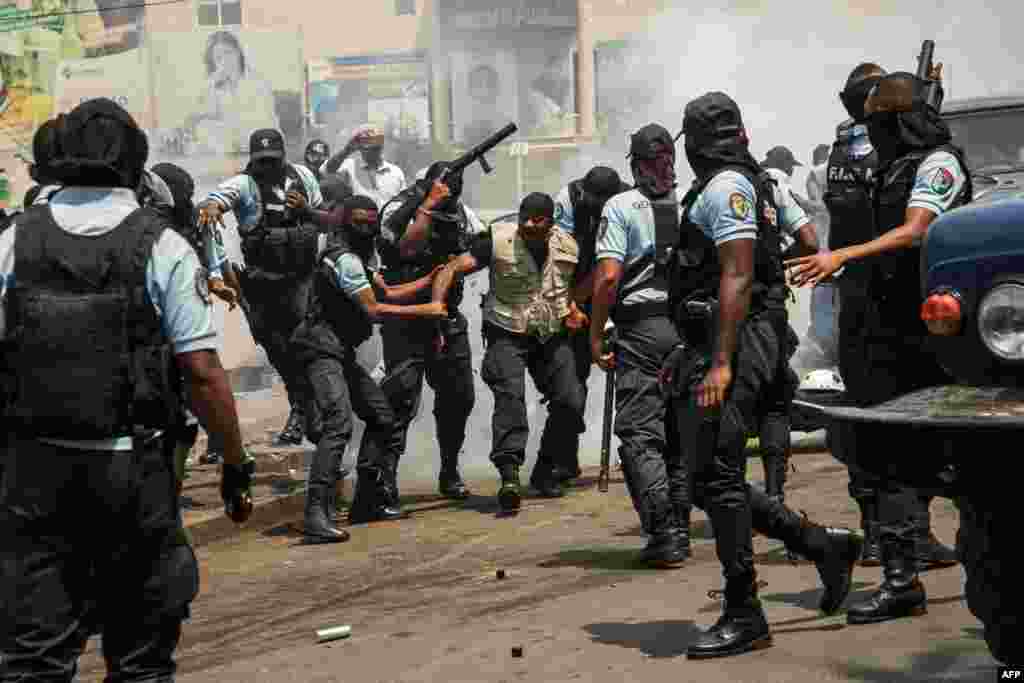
(225, 61)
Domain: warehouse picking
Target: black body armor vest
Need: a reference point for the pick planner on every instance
(585, 224)
(848, 193)
(695, 269)
(898, 274)
(335, 324)
(447, 239)
(85, 344)
(280, 247)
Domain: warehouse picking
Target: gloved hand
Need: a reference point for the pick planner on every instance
(236, 489)
(668, 376)
(683, 367)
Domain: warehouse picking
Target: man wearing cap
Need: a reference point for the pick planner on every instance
(370, 176)
(271, 199)
(578, 210)
(317, 153)
(104, 310)
(528, 315)
(921, 175)
(636, 232)
(729, 295)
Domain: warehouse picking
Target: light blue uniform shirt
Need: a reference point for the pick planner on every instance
(627, 235)
(213, 253)
(725, 210)
(565, 218)
(171, 275)
(241, 194)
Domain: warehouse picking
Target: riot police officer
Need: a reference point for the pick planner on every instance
(920, 176)
(630, 286)
(729, 292)
(271, 199)
(317, 152)
(578, 211)
(104, 307)
(529, 314)
(342, 311)
(426, 226)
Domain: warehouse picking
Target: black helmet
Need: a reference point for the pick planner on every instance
(602, 181)
(100, 145)
(644, 143)
(317, 152)
(711, 117)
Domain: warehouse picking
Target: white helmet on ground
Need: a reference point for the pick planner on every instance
(822, 380)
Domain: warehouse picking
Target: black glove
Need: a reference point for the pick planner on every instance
(682, 366)
(236, 490)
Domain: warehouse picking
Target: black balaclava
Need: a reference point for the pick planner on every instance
(182, 187)
(715, 136)
(454, 183)
(45, 147)
(900, 121)
(652, 153)
(269, 170)
(317, 152)
(100, 145)
(858, 87)
(599, 185)
(360, 224)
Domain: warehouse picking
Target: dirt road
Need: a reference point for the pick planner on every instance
(424, 602)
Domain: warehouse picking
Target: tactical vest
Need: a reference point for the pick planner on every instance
(334, 323)
(666, 237)
(696, 271)
(898, 274)
(527, 297)
(85, 343)
(450, 239)
(280, 247)
(848, 193)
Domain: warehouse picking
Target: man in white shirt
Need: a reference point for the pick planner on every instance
(370, 176)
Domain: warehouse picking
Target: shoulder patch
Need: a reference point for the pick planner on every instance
(739, 205)
(203, 284)
(941, 181)
(559, 211)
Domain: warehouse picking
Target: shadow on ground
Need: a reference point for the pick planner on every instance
(661, 639)
(810, 598)
(951, 660)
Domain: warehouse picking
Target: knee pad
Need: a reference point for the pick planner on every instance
(173, 583)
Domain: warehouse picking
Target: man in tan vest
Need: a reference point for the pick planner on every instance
(529, 316)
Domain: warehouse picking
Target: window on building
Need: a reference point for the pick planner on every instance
(403, 7)
(219, 12)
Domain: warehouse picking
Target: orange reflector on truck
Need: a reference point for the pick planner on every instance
(941, 314)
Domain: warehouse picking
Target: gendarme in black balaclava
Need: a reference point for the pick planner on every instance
(900, 121)
(858, 87)
(652, 154)
(360, 225)
(715, 135)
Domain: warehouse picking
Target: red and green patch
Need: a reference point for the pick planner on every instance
(941, 181)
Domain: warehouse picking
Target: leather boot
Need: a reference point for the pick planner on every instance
(872, 556)
(901, 594)
(509, 493)
(683, 530)
(374, 500)
(294, 430)
(317, 528)
(931, 553)
(544, 479)
(666, 548)
(450, 483)
(775, 475)
(741, 628)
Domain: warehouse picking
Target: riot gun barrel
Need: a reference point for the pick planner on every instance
(924, 60)
(478, 152)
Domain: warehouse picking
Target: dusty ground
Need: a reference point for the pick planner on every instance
(424, 602)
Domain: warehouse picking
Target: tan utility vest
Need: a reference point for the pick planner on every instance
(526, 297)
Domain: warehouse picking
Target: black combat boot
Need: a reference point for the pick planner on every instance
(901, 594)
(375, 499)
(666, 548)
(509, 494)
(450, 483)
(872, 555)
(931, 553)
(294, 430)
(317, 527)
(834, 551)
(775, 475)
(545, 480)
(682, 513)
(741, 628)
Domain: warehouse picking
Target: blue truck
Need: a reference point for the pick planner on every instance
(962, 440)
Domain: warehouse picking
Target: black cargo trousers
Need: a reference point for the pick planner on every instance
(337, 387)
(713, 445)
(883, 357)
(552, 365)
(410, 356)
(91, 541)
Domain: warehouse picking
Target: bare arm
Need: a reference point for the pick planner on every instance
(335, 162)
(378, 310)
(460, 265)
(407, 290)
(735, 284)
(584, 290)
(416, 235)
(915, 226)
(607, 277)
(213, 400)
